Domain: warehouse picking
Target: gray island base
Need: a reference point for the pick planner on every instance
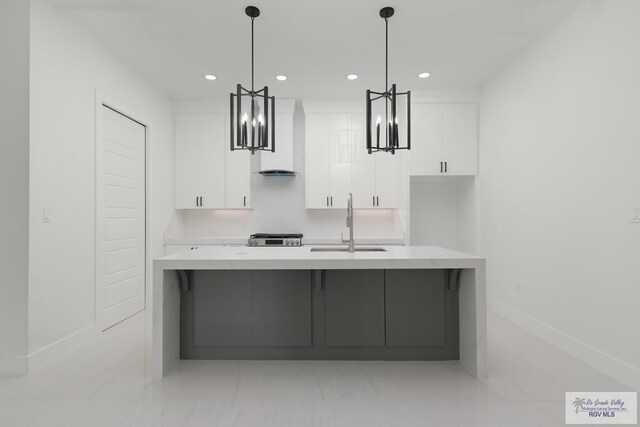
(406, 303)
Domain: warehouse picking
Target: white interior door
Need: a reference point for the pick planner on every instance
(120, 217)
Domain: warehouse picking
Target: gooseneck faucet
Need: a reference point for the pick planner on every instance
(352, 246)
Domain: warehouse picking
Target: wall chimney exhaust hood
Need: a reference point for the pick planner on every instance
(280, 162)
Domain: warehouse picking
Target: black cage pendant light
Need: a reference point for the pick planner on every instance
(386, 134)
(252, 118)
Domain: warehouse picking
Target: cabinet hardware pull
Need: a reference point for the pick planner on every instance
(327, 200)
(445, 167)
(197, 201)
(200, 201)
(377, 201)
(374, 200)
(244, 202)
(331, 200)
(441, 167)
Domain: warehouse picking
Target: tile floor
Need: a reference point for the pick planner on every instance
(104, 384)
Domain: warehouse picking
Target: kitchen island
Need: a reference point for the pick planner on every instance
(173, 276)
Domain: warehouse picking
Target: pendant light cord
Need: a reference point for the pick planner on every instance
(252, 86)
(386, 55)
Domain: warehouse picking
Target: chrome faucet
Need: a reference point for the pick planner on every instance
(352, 246)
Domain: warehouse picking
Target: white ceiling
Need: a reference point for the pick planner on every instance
(316, 43)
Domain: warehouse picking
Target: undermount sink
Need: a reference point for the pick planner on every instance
(347, 250)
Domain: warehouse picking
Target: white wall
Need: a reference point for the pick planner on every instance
(14, 183)
(560, 169)
(279, 205)
(67, 66)
(444, 212)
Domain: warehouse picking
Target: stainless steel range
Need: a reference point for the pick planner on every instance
(264, 239)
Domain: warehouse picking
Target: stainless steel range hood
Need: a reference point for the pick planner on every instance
(279, 163)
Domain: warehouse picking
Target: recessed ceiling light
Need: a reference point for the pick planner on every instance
(424, 75)
(352, 76)
(210, 77)
(281, 77)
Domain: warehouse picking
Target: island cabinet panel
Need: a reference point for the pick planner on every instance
(252, 308)
(354, 308)
(223, 308)
(415, 308)
(282, 308)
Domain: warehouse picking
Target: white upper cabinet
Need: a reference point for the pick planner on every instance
(386, 178)
(374, 177)
(317, 160)
(208, 174)
(237, 174)
(337, 161)
(342, 157)
(444, 138)
(199, 161)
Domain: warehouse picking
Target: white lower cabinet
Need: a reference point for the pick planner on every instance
(337, 163)
(208, 174)
(444, 138)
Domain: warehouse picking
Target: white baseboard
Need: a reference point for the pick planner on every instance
(623, 372)
(61, 348)
(13, 365)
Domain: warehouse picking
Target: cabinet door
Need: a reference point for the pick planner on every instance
(415, 308)
(460, 146)
(342, 157)
(317, 158)
(223, 308)
(363, 169)
(211, 170)
(426, 139)
(354, 308)
(187, 164)
(386, 179)
(237, 175)
(282, 308)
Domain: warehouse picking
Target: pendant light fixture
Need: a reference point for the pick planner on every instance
(386, 134)
(252, 119)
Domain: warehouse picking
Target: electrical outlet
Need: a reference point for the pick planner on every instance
(635, 215)
(46, 215)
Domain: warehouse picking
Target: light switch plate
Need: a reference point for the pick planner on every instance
(46, 215)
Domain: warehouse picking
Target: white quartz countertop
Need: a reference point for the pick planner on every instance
(229, 258)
